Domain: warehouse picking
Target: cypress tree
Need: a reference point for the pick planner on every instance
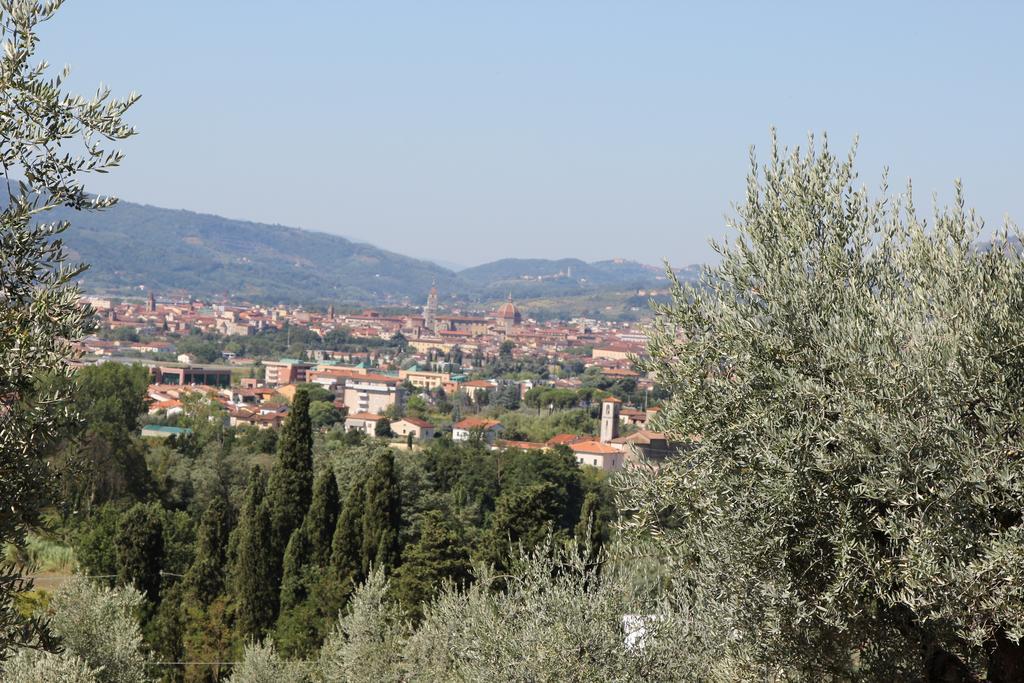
(592, 529)
(346, 545)
(206, 634)
(379, 547)
(310, 545)
(291, 481)
(139, 543)
(205, 579)
(296, 564)
(254, 585)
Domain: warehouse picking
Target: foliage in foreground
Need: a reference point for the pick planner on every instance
(99, 631)
(48, 139)
(853, 510)
(557, 618)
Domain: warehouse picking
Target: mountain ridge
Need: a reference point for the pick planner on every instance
(133, 246)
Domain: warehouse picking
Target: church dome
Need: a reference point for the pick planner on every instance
(509, 311)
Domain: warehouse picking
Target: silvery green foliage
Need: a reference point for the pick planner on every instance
(853, 506)
(261, 664)
(48, 139)
(100, 626)
(367, 643)
(34, 666)
(556, 618)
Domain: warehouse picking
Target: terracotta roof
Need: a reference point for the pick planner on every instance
(522, 445)
(365, 416)
(563, 439)
(593, 447)
(642, 436)
(610, 399)
(476, 423)
(416, 421)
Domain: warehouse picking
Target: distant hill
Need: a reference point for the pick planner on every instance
(181, 251)
(176, 252)
(528, 278)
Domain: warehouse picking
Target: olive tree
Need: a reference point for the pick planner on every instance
(48, 140)
(852, 376)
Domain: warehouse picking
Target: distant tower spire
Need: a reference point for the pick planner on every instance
(151, 303)
(430, 310)
(330, 312)
(609, 419)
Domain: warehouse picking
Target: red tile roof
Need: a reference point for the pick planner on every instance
(423, 424)
(564, 439)
(476, 423)
(366, 416)
(593, 447)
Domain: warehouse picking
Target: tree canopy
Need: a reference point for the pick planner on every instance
(853, 507)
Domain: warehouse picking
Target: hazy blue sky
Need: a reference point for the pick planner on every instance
(469, 131)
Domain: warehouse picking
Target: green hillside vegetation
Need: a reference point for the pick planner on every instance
(177, 252)
(205, 255)
(564, 277)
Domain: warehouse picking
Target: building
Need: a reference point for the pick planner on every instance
(489, 429)
(596, 454)
(646, 446)
(192, 374)
(371, 393)
(508, 316)
(430, 310)
(610, 418)
(424, 380)
(363, 422)
(285, 371)
(421, 430)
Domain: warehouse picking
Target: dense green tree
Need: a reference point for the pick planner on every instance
(94, 541)
(139, 547)
(323, 414)
(852, 509)
(257, 440)
(104, 462)
(205, 579)
(382, 429)
(592, 530)
(438, 555)
(309, 549)
(49, 140)
(254, 587)
(347, 542)
(523, 516)
(205, 634)
(380, 514)
(291, 480)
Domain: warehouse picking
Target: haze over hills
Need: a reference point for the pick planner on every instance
(181, 252)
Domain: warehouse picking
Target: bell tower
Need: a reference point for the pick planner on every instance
(430, 310)
(609, 418)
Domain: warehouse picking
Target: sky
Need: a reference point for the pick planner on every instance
(465, 132)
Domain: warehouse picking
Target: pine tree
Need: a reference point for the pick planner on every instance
(139, 544)
(254, 585)
(291, 481)
(379, 542)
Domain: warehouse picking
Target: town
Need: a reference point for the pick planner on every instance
(408, 378)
